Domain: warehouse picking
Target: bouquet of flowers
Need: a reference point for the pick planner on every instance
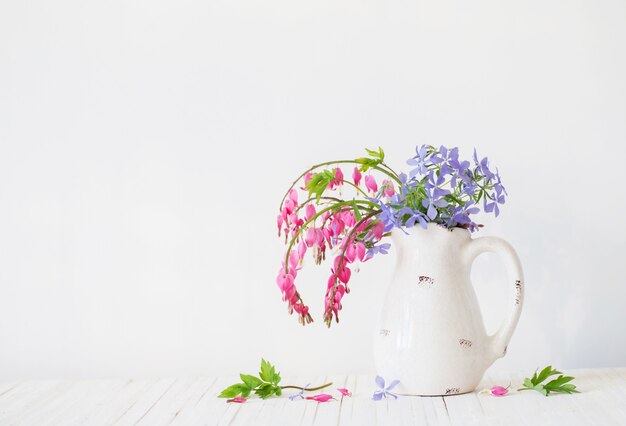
(440, 188)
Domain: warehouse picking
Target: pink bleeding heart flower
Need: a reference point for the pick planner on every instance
(378, 229)
(311, 237)
(344, 392)
(322, 397)
(301, 250)
(279, 222)
(309, 211)
(388, 188)
(360, 250)
(238, 400)
(356, 176)
(307, 178)
(338, 180)
(370, 183)
(496, 391)
(293, 196)
(351, 252)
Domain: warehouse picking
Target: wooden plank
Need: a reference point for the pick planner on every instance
(361, 409)
(171, 402)
(66, 409)
(26, 397)
(209, 409)
(7, 387)
(135, 409)
(112, 406)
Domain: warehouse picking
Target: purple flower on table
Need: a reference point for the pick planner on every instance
(383, 392)
(299, 394)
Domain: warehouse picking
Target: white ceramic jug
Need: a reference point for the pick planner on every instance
(431, 334)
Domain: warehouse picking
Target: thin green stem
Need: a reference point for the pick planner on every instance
(307, 389)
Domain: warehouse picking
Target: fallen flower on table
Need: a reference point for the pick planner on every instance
(299, 394)
(238, 400)
(496, 391)
(322, 397)
(383, 392)
(344, 392)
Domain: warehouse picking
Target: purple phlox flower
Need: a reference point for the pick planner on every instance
(387, 216)
(415, 216)
(498, 185)
(299, 394)
(461, 172)
(483, 166)
(418, 160)
(383, 392)
(403, 178)
(443, 155)
(491, 203)
(432, 202)
(434, 182)
(380, 248)
(460, 214)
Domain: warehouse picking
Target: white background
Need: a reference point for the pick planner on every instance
(145, 146)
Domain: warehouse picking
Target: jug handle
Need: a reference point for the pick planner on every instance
(500, 340)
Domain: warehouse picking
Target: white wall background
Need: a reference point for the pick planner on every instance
(145, 145)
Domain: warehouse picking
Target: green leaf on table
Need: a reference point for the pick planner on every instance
(268, 373)
(264, 387)
(234, 390)
(559, 385)
(250, 381)
(265, 390)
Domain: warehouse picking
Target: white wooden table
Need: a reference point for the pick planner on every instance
(193, 402)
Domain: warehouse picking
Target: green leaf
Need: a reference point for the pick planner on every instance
(561, 380)
(541, 389)
(374, 154)
(268, 373)
(276, 378)
(560, 384)
(265, 390)
(545, 373)
(233, 390)
(264, 372)
(246, 393)
(250, 381)
(278, 391)
(357, 212)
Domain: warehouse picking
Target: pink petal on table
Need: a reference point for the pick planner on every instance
(238, 400)
(499, 391)
(344, 392)
(322, 397)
